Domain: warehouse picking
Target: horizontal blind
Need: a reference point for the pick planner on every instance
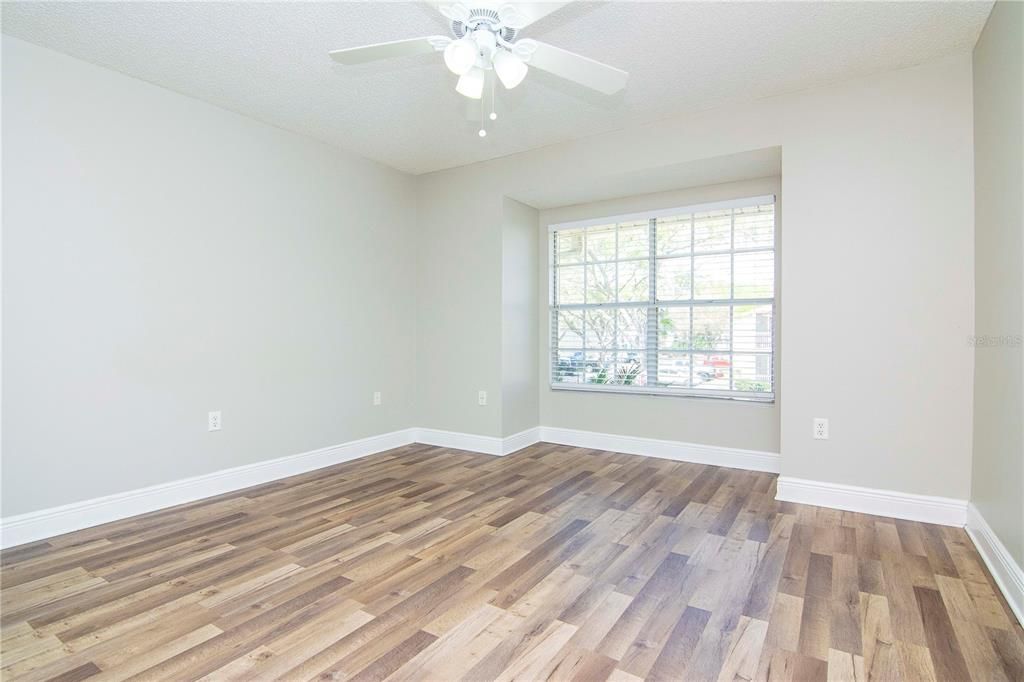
(679, 301)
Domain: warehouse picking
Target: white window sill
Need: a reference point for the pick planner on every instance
(752, 399)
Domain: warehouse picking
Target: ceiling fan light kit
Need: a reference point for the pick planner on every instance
(486, 40)
(511, 70)
(460, 55)
(471, 83)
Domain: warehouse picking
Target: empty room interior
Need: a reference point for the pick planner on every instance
(486, 340)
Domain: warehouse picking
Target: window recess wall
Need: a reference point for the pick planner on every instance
(736, 423)
(892, 150)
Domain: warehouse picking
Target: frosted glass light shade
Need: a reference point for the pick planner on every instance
(471, 83)
(511, 69)
(460, 55)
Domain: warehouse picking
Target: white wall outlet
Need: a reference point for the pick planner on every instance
(820, 428)
(481, 398)
(213, 421)
(376, 398)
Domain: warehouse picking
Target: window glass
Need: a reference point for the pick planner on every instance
(690, 311)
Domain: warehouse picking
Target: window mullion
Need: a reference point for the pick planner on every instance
(552, 371)
(652, 305)
(693, 246)
(732, 296)
(583, 260)
(615, 311)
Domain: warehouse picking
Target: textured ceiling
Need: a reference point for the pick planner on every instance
(758, 163)
(269, 60)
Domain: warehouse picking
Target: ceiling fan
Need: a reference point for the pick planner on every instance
(486, 45)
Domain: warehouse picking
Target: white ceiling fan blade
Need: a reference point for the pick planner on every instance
(521, 14)
(394, 48)
(577, 68)
(452, 10)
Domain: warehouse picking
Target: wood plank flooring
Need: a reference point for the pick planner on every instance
(553, 563)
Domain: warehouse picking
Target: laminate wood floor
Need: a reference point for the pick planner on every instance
(553, 563)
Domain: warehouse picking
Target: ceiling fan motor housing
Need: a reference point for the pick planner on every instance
(485, 19)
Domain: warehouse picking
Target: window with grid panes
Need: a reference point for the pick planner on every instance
(677, 302)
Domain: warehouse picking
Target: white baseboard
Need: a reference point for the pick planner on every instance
(518, 441)
(1008, 574)
(46, 523)
(735, 458)
(944, 511)
(489, 445)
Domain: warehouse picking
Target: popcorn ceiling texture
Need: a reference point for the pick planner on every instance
(269, 61)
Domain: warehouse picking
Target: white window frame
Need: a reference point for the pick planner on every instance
(652, 304)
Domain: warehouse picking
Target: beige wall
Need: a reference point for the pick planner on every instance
(519, 323)
(876, 273)
(163, 258)
(736, 424)
(998, 470)
(459, 316)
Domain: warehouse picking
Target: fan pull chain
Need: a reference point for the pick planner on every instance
(483, 130)
(494, 114)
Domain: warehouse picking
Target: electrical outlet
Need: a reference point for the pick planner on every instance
(213, 421)
(820, 429)
(481, 398)
(376, 398)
